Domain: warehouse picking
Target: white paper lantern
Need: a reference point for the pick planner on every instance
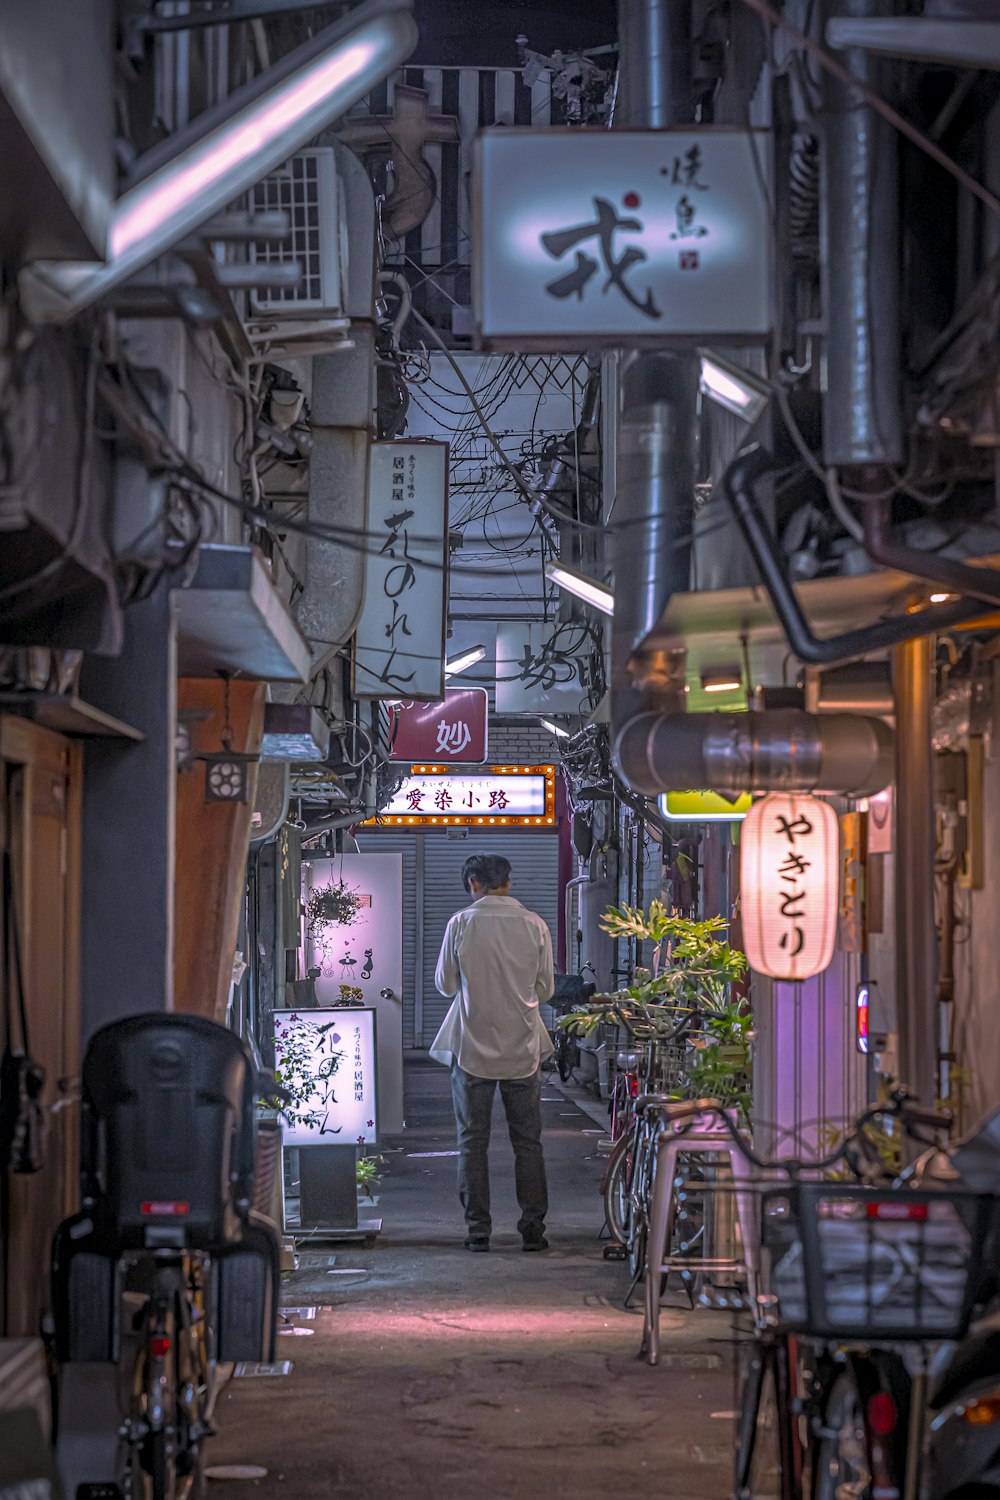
(789, 884)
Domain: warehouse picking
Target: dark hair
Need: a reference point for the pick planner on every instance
(487, 870)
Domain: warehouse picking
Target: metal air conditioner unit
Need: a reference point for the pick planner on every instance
(307, 318)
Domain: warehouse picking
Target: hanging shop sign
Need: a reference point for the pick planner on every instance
(399, 647)
(622, 237)
(704, 807)
(545, 667)
(454, 730)
(789, 885)
(851, 925)
(502, 797)
(326, 1059)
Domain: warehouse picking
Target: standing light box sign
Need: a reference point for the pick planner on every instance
(622, 237)
(326, 1059)
(399, 647)
(789, 868)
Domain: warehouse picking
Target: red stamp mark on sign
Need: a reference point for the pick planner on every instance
(689, 260)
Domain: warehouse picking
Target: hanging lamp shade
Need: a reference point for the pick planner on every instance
(789, 874)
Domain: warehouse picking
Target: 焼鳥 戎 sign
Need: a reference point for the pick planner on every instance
(622, 237)
(399, 647)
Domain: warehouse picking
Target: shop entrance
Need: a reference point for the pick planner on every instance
(432, 892)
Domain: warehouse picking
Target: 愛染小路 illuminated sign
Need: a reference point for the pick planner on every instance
(498, 797)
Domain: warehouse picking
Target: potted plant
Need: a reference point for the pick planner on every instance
(328, 906)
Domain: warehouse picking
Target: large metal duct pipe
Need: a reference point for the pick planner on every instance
(785, 750)
(657, 433)
(862, 399)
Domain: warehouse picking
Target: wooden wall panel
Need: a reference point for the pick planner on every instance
(40, 795)
(212, 844)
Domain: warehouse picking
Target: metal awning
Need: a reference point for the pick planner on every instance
(231, 618)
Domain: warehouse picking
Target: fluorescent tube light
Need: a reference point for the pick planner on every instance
(314, 86)
(553, 728)
(721, 679)
(464, 660)
(743, 394)
(582, 587)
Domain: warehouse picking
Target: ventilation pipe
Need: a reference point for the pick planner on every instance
(657, 429)
(786, 750)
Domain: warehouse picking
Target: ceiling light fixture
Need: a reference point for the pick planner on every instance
(721, 679)
(265, 123)
(941, 598)
(581, 586)
(741, 393)
(554, 728)
(464, 660)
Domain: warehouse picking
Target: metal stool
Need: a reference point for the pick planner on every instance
(705, 1136)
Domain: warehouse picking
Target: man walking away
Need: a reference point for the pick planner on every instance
(496, 963)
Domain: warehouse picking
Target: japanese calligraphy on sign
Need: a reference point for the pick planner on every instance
(454, 730)
(326, 1059)
(496, 798)
(399, 649)
(789, 883)
(626, 237)
(544, 668)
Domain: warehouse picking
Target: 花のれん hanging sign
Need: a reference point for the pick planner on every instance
(503, 796)
(399, 648)
(326, 1060)
(789, 871)
(704, 807)
(454, 730)
(622, 237)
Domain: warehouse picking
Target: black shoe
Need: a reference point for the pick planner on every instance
(534, 1242)
(477, 1244)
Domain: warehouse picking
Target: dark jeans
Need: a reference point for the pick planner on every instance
(473, 1099)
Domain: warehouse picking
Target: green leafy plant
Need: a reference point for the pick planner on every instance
(306, 1065)
(693, 968)
(328, 906)
(368, 1175)
(351, 994)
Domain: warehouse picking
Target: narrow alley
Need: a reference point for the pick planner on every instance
(432, 1371)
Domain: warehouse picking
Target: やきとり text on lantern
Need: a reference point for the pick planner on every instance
(789, 875)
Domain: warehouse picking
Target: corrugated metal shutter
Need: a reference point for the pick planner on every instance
(405, 844)
(535, 860)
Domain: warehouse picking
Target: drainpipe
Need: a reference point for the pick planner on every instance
(658, 427)
(916, 941)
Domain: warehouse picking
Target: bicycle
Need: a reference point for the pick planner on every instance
(858, 1279)
(168, 1161)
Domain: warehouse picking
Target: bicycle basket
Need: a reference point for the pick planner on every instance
(850, 1262)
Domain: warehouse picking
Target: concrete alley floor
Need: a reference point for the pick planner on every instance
(434, 1372)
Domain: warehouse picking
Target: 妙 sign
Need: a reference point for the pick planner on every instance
(789, 847)
(622, 237)
(326, 1060)
(400, 641)
(497, 798)
(454, 730)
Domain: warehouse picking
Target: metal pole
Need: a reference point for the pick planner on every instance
(418, 959)
(916, 941)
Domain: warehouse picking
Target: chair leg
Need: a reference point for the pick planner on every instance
(746, 1212)
(656, 1244)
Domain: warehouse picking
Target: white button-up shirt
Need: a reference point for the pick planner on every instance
(496, 961)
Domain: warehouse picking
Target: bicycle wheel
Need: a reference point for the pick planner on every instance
(840, 1459)
(616, 1189)
(767, 1456)
(639, 1199)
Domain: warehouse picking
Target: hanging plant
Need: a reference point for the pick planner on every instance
(334, 905)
